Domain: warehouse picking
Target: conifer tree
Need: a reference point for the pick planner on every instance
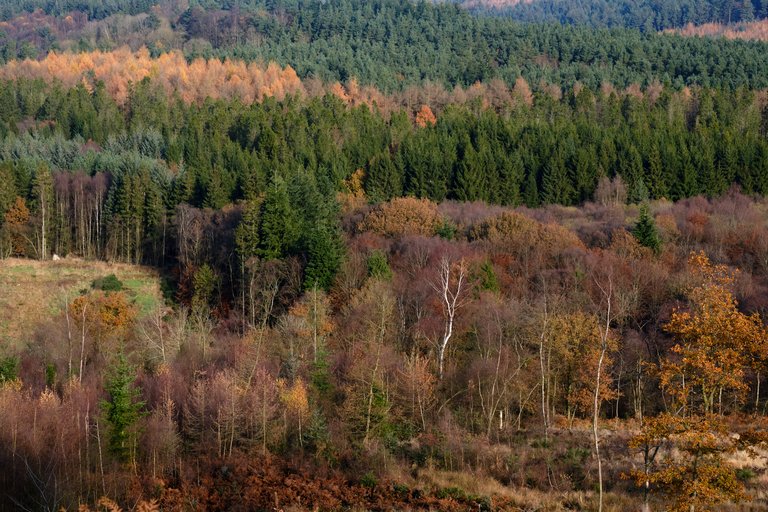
(122, 409)
(278, 226)
(645, 230)
(325, 250)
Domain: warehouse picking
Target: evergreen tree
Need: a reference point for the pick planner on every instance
(278, 225)
(645, 230)
(378, 266)
(247, 232)
(325, 250)
(383, 180)
(122, 409)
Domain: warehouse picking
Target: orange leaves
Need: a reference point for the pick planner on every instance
(577, 340)
(696, 477)
(18, 214)
(425, 117)
(193, 81)
(715, 341)
(104, 315)
(295, 399)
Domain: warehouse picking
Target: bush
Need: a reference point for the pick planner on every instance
(368, 480)
(9, 369)
(108, 283)
(403, 216)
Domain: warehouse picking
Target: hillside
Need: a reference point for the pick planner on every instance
(34, 291)
(382, 255)
(644, 15)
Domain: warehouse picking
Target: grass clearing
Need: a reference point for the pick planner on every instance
(33, 291)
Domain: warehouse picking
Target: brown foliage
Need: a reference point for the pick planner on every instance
(754, 30)
(403, 216)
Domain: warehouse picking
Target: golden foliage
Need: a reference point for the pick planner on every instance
(295, 398)
(714, 339)
(353, 195)
(193, 81)
(104, 315)
(403, 216)
(511, 230)
(577, 340)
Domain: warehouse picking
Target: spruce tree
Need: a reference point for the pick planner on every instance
(278, 225)
(325, 250)
(122, 409)
(645, 230)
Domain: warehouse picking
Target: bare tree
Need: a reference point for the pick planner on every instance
(451, 285)
(607, 292)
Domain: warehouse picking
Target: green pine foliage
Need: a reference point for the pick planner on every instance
(378, 266)
(646, 232)
(122, 409)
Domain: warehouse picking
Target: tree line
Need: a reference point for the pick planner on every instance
(393, 44)
(647, 15)
(117, 173)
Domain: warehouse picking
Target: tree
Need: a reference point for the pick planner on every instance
(451, 286)
(278, 225)
(324, 254)
(645, 230)
(714, 341)
(122, 409)
(17, 226)
(42, 192)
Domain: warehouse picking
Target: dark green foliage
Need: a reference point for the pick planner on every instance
(645, 230)
(488, 279)
(9, 369)
(108, 283)
(205, 285)
(378, 266)
(122, 409)
(278, 225)
(247, 234)
(325, 250)
(446, 230)
(50, 375)
(646, 15)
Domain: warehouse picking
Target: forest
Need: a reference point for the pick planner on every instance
(391, 44)
(380, 255)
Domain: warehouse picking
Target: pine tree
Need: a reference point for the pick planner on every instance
(122, 409)
(383, 180)
(247, 232)
(278, 226)
(325, 250)
(645, 230)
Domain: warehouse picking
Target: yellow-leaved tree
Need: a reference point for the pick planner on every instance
(714, 347)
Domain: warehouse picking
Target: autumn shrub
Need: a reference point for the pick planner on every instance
(403, 216)
(525, 238)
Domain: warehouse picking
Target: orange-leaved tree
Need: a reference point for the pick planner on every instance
(714, 344)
